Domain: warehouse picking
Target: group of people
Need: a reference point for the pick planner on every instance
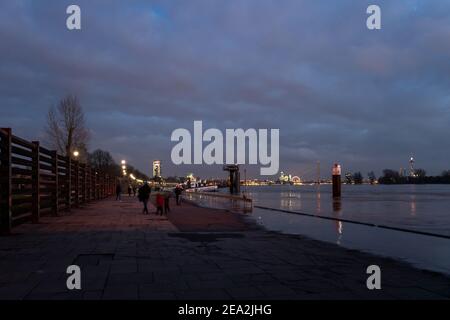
(131, 189)
(162, 197)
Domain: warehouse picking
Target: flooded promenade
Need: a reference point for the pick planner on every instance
(405, 222)
(194, 253)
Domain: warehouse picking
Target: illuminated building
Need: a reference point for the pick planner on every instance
(284, 178)
(156, 169)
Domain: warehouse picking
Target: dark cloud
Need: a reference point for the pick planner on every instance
(141, 69)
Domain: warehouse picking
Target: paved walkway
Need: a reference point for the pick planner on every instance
(195, 254)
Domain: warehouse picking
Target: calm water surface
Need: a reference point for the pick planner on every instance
(415, 207)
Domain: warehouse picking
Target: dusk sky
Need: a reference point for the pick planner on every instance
(141, 69)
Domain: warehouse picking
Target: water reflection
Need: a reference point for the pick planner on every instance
(421, 207)
(412, 203)
(318, 202)
(337, 213)
(290, 199)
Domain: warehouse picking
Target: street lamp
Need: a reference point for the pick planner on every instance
(124, 167)
(76, 154)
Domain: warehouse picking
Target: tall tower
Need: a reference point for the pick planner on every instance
(156, 169)
(412, 172)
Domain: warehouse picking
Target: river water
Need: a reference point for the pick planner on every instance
(415, 207)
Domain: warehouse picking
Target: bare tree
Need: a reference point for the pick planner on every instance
(102, 160)
(66, 128)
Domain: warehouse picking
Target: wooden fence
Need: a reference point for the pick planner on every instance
(35, 181)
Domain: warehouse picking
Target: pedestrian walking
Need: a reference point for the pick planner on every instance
(118, 192)
(178, 191)
(144, 195)
(159, 204)
(167, 203)
(129, 191)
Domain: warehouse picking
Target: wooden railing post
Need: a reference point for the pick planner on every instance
(92, 185)
(97, 191)
(69, 182)
(107, 185)
(80, 182)
(35, 183)
(6, 186)
(96, 194)
(89, 182)
(100, 178)
(86, 184)
(55, 199)
(102, 188)
(76, 170)
(101, 185)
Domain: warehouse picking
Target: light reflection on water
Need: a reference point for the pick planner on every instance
(418, 207)
(424, 208)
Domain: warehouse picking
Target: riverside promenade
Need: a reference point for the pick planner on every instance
(194, 253)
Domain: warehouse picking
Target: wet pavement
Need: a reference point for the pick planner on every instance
(194, 253)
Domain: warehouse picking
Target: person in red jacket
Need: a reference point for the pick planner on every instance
(159, 204)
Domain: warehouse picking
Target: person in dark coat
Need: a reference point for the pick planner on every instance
(178, 191)
(118, 192)
(129, 191)
(144, 195)
(166, 203)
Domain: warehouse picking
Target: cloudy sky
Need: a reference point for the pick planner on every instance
(337, 91)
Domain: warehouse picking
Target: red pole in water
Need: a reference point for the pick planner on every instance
(336, 181)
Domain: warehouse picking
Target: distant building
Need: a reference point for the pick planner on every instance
(284, 178)
(156, 169)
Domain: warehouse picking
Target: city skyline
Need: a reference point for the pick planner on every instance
(337, 91)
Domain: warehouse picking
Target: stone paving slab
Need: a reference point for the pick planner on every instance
(124, 254)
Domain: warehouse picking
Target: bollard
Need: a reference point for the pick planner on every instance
(336, 181)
